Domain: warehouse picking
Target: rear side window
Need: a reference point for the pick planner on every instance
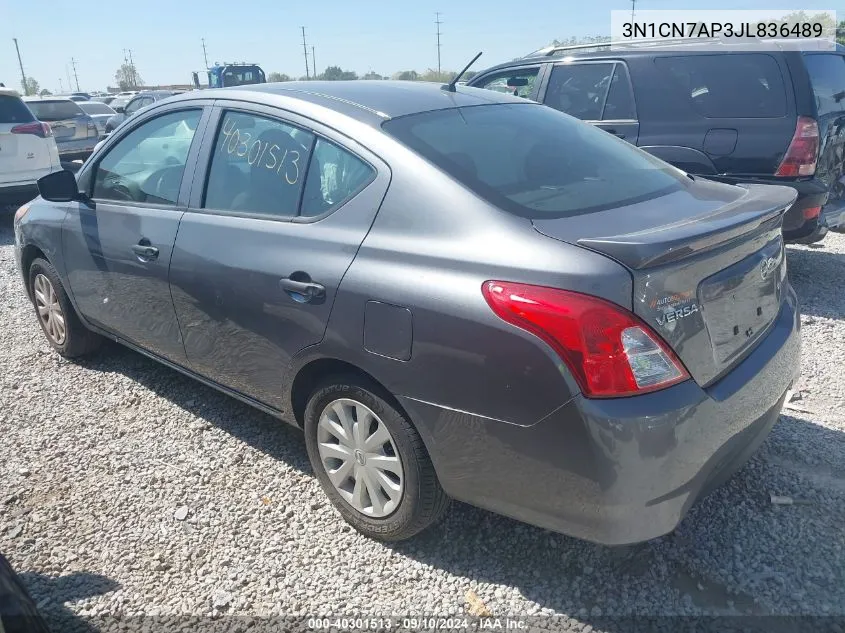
(13, 110)
(95, 107)
(619, 105)
(55, 110)
(827, 73)
(334, 176)
(579, 89)
(259, 166)
(743, 85)
(533, 161)
(518, 82)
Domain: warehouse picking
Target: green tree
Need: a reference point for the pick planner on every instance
(407, 75)
(469, 75)
(274, 77)
(372, 75)
(127, 77)
(30, 86)
(440, 77)
(840, 33)
(336, 73)
(45, 93)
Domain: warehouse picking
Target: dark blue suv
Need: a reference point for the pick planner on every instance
(757, 113)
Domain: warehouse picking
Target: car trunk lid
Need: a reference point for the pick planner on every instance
(708, 265)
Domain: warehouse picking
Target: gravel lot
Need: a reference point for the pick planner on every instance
(100, 460)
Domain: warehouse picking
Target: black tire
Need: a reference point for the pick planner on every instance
(78, 340)
(423, 500)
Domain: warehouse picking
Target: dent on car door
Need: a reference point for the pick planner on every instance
(262, 250)
(118, 246)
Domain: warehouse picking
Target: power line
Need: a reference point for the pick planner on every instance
(75, 76)
(132, 67)
(69, 82)
(313, 62)
(438, 23)
(633, 3)
(204, 53)
(305, 50)
(23, 74)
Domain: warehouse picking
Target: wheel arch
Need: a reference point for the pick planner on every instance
(29, 254)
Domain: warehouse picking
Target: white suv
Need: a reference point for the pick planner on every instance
(27, 150)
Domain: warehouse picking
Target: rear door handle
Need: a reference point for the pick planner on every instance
(302, 291)
(145, 251)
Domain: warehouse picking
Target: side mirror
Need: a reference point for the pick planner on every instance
(60, 186)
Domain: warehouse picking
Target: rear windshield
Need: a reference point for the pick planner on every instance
(535, 161)
(13, 110)
(54, 110)
(742, 85)
(95, 107)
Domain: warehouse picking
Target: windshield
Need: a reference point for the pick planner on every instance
(54, 110)
(96, 108)
(535, 161)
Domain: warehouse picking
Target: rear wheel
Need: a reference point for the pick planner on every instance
(370, 461)
(56, 316)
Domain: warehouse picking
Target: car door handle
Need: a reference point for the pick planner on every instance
(145, 251)
(302, 291)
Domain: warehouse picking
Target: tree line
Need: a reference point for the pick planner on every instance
(336, 73)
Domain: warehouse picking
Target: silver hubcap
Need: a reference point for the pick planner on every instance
(360, 457)
(49, 310)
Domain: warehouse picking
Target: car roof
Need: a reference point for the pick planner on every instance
(8, 92)
(370, 101)
(48, 98)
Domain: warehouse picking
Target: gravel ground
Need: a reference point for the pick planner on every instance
(128, 489)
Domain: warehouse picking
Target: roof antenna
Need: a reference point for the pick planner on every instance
(450, 87)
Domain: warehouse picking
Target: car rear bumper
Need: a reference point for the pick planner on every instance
(77, 149)
(617, 471)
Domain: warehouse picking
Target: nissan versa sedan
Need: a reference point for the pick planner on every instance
(457, 294)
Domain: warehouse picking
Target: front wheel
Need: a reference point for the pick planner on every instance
(56, 316)
(371, 462)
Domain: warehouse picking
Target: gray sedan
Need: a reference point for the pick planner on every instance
(456, 294)
(98, 111)
(75, 131)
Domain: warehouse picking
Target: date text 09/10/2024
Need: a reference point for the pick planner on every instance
(418, 624)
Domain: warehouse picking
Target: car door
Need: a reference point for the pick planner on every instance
(597, 92)
(827, 75)
(268, 236)
(520, 81)
(118, 246)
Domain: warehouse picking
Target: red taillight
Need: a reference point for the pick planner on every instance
(803, 150)
(609, 350)
(37, 127)
(812, 212)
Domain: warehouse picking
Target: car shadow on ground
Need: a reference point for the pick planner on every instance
(734, 554)
(816, 274)
(262, 432)
(52, 593)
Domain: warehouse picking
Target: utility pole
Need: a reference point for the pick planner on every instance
(23, 74)
(313, 62)
(305, 50)
(69, 82)
(61, 87)
(204, 53)
(633, 3)
(132, 66)
(75, 76)
(438, 23)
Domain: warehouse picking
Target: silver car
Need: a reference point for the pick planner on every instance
(75, 131)
(98, 111)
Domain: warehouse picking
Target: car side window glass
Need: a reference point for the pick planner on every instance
(334, 176)
(579, 89)
(620, 101)
(827, 74)
(519, 82)
(738, 85)
(259, 165)
(147, 164)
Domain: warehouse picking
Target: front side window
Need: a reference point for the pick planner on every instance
(619, 105)
(533, 161)
(95, 107)
(737, 85)
(259, 166)
(579, 89)
(147, 164)
(827, 74)
(136, 104)
(334, 176)
(518, 82)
